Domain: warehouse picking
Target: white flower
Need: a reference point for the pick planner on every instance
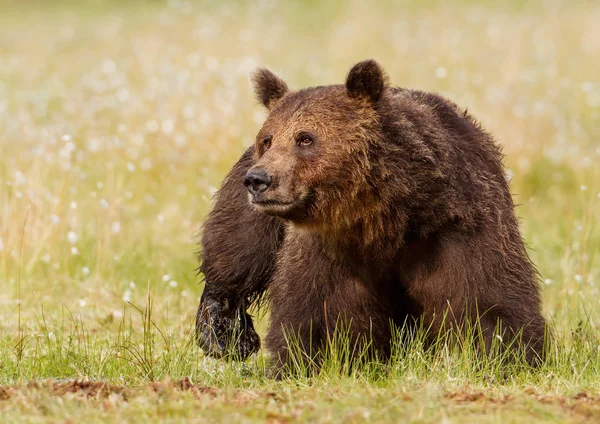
(20, 178)
(441, 72)
(116, 227)
(173, 283)
(109, 67)
(66, 151)
(127, 296)
(146, 164)
(85, 270)
(166, 277)
(167, 126)
(587, 86)
(73, 237)
(123, 94)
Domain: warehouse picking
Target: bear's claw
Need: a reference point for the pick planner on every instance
(225, 332)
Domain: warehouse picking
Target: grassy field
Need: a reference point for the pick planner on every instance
(117, 123)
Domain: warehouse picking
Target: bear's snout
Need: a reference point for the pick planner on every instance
(257, 181)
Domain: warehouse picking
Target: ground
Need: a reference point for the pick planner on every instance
(117, 123)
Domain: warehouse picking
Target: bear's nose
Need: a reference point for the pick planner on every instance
(257, 181)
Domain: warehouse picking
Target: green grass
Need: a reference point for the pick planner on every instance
(118, 123)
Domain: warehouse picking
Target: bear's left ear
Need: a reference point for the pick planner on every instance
(268, 87)
(366, 79)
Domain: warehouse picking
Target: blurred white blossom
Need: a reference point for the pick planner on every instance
(116, 227)
(73, 237)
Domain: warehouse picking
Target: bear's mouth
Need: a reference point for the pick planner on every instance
(295, 207)
(280, 208)
(268, 202)
(273, 204)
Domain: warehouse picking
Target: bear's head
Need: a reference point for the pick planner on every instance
(313, 160)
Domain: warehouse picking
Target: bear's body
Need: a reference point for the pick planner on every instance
(369, 205)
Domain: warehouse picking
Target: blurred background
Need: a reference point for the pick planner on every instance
(118, 121)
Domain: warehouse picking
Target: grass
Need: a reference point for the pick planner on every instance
(118, 123)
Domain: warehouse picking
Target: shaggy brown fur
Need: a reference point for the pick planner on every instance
(370, 205)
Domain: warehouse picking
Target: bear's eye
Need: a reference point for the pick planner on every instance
(267, 142)
(304, 140)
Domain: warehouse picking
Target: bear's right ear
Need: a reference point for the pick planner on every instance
(366, 79)
(268, 87)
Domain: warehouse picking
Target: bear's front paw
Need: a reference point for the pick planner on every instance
(225, 332)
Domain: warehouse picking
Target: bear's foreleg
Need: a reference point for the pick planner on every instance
(464, 284)
(239, 246)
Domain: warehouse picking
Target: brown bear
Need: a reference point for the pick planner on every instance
(369, 205)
